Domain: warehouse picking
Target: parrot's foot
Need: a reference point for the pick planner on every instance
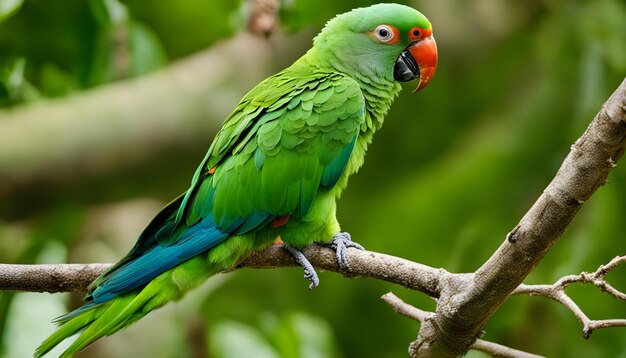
(309, 271)
(341, 241)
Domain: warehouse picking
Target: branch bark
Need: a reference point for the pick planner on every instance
(363, 264)
(49, 278)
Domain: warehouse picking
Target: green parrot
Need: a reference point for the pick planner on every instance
(274, 170)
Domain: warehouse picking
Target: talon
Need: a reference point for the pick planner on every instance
(340, 243)
(309, 271)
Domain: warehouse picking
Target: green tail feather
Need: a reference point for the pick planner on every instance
(68, 329)
(101, 321)
(120, 312)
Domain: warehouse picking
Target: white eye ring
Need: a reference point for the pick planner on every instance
(384, 33)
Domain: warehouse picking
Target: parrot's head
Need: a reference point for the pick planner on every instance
(388, 40)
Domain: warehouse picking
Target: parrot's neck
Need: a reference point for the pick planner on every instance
(379, 95)
(379, 89)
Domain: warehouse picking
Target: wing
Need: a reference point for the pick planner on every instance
(288, 139)
(273, 162)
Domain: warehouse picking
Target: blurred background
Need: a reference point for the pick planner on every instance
(107, 106)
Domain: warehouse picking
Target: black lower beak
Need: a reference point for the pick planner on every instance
(406, 68)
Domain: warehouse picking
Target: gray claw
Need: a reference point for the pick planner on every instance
(309, 271)
(340, 242)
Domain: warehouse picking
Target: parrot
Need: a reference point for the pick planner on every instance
(274, 170)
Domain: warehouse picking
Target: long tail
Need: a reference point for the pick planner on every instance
(169, 259)
(109, 317)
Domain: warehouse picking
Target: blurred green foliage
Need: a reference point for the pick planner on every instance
(452, 170)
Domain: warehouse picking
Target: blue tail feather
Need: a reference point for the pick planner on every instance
(158, 259)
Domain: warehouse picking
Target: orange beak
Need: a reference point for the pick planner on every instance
(417, 61)
(425, 54)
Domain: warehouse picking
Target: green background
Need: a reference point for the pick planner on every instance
(452, 171)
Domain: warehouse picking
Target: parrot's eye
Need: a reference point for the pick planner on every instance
(384, 33)
(415, 34)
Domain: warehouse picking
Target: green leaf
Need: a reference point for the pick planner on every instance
(314, 335)
(146, 52)
(8, 8)
(54, 82)
(108, 12)
(14, 88)
(231, 339)
(299, 335)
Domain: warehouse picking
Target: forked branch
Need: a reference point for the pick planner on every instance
(494, 349)
(556, 291)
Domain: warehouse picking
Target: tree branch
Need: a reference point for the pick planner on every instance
(76, 277)
(494, 349)
(463, 310)
(556, 292)
(49, 278)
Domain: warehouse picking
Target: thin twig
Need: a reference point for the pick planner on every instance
(499, 350)
(556, 292)
(405, 309)
(410, 311)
